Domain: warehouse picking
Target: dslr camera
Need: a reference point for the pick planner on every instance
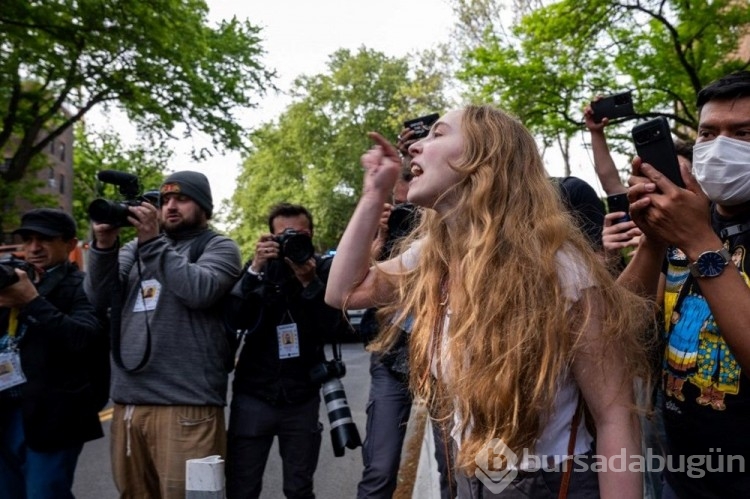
(296, 246)
(8, 276)
(116, 212)
(344, 431)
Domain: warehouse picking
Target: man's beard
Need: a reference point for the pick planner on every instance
(185, 224)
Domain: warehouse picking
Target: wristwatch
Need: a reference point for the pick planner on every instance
(710, 263)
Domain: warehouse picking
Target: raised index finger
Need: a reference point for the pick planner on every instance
(388, 148)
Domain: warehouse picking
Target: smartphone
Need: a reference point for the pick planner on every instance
(613, 106)
(619, 202)
(421, 125)
(653, 143)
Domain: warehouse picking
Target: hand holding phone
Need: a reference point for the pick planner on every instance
(619, 202)
(654, 145)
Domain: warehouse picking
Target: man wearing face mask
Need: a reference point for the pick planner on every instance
(704, 230)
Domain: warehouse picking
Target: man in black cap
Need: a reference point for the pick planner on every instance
(53, 362)
(171, 355)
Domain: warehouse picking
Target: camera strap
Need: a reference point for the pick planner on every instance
(115, 318)
(336, 349)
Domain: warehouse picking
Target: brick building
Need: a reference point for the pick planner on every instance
(56, 176)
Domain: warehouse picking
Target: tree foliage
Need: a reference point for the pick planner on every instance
(105, 150)
(310, 155)
(558, 57)
(159, 61)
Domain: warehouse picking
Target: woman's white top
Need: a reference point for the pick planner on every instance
(552, 446)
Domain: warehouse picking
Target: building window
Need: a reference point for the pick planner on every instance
(62, 184)
(51, 178)
(52, 147)
(62, 151)
(5, 165)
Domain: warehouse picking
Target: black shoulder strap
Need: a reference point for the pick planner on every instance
(200, 243)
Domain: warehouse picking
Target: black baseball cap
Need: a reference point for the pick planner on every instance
(47, 222)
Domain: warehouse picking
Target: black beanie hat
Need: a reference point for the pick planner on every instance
(192, 184)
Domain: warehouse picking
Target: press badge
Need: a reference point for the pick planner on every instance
(10, 370)
(148, 297)
(288, 341)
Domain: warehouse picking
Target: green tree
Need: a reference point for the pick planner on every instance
(558, 57)
(105, 150)
(310, 155)
(158, 61)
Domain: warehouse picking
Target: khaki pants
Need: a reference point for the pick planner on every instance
(150, 445)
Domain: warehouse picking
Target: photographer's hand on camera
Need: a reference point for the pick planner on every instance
(265, 249)
(19, 294)
(105, 235)
(145, 219)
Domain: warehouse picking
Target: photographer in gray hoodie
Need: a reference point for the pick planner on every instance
(170, 353)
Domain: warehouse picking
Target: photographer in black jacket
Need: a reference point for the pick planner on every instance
(279, 301)
(54, 362)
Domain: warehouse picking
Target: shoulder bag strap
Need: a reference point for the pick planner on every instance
(565, 484)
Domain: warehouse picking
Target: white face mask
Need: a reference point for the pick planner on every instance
(722, 168)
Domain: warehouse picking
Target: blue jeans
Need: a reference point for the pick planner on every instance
(29, 474)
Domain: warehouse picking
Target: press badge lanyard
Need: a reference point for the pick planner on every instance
(13, 326)
(288, 337)
(11, 373)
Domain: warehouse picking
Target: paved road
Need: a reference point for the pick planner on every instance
(336, 477)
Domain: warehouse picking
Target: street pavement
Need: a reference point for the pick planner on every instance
(336, 477)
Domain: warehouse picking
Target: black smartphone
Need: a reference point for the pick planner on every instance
(421, 125)
(619, 202)
(613, 106)
(653, 143)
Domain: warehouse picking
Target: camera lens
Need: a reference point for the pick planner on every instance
(109, 212)
(297, 246)
(343, 430)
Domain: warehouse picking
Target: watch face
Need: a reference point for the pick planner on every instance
(711, 264)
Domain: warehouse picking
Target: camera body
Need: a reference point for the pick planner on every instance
(294, 245)
(325, 371)
(8, 276)
(116, 213)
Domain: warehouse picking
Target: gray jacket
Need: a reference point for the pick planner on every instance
(189, 348)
